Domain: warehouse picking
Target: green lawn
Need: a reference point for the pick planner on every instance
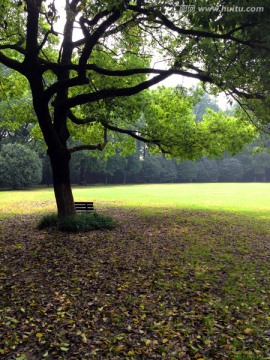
(246, 198)
(250, 198)
(184, 276)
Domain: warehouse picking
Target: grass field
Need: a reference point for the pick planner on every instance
(252, 199)
(185, 275)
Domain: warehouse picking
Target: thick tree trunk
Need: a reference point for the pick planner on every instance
(62, 185)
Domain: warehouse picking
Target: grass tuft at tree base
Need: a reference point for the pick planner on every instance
(79, 223)
(48, 221)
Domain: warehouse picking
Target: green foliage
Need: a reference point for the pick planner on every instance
(82, 222)
(15, 103)
(48, 221)
(169, 117)
(19, 166)
(120, 112)
(115, 163)
(13, 21)
(86, 222)
(205, 102)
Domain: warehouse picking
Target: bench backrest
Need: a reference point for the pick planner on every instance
(84, 205)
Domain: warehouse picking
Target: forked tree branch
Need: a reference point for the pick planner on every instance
(99, 147)
(132, 133)
(78, 121)
(113, 92)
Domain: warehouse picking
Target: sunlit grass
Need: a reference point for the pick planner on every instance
(22, 202)
(251, 199)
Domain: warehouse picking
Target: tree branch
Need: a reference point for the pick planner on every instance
(128, 91)
(99, 147)
(64, 84)
(96, 18)
(78, 121)
(132, 133)
(190, 32)
(246, 95)
(113, 92)
(11, 63)
(15, 47)
(136, 136)
(128, 72)
(32, 49)
(46, 37)
(91, 40)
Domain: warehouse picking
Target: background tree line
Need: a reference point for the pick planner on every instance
(23, 159)
(23, 165)
(157, 169)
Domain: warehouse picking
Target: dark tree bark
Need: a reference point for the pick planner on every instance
(61, 183)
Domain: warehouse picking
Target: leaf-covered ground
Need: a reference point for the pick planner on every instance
(164, 285)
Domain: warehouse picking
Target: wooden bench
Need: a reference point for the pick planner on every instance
(83, 206)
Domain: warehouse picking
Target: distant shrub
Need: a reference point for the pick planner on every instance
(79, 223)
(19, 166)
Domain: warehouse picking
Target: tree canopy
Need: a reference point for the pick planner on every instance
(104, 54)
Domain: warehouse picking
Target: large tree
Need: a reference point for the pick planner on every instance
(109, 56)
